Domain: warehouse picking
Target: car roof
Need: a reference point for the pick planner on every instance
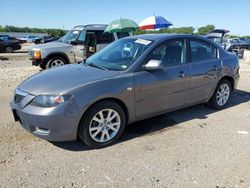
(91, 27)
(166, 36)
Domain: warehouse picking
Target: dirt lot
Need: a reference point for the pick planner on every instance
(193, 147)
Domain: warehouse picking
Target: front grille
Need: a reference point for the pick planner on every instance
(19, 96)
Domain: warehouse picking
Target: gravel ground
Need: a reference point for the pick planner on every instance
(193, 147)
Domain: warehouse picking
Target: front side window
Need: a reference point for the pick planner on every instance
(171, 53)
(202, 51)
(119, 55)
(81, 38)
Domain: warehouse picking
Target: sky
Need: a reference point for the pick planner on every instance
(65, 14)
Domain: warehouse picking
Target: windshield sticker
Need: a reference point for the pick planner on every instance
(75, 32)
(143, 41)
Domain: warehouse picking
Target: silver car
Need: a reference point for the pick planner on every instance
(131, 79)
(78, 44)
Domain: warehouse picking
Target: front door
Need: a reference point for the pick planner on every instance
(205, 70)
(79, 48)
(90, 43)
(161, 90)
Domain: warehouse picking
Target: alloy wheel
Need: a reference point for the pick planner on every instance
(57, 63)
(105, 125)
(223, 94)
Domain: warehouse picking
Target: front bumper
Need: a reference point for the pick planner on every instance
(53, 124)
(236, 80)
(37, 62)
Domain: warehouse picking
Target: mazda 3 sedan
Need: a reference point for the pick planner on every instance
(131, 79)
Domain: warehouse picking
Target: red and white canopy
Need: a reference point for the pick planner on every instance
(154, 22)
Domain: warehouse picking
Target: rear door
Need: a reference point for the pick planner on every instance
(205, 70)
(160, 90)
(103, 39)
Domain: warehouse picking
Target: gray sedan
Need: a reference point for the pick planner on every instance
(131, 79)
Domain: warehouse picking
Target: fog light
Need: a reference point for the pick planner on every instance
(42, 130)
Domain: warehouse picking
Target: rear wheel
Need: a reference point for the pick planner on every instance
(9, 49)
(102, 125)
(55, 62)
(221, 95)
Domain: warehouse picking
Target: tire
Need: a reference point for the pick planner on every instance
(9, 49)
(221, 95)
(101, 127)
(55, 62)
(42, 66)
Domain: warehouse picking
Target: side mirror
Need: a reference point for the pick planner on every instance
(73, 42)
(92, 49)
(153, 65)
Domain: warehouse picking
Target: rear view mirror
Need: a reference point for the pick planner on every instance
(153, 65)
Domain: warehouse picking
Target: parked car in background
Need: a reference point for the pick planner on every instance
(77, 45)
(29, 38)
(131, 79)
(245, 43)
(45, 39)
(8, 44)
(218, 36)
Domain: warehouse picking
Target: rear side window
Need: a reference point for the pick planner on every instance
(104, 38)
(122, 34)
(202, 51)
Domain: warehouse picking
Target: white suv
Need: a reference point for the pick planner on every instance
(76, 46)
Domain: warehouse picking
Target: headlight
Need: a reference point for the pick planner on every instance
(49, 100)
(37, 54)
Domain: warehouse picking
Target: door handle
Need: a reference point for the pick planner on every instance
(181, 74)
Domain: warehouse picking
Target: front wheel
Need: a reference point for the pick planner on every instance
(102, 125)
(55, 62)
(221, 95)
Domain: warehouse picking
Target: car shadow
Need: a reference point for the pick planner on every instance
(3, 58)
(163, 122)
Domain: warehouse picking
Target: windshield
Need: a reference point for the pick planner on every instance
(119, 55)
(71, 35)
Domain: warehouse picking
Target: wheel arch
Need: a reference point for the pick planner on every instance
(58, 54)
(229, 78)
(116, 100)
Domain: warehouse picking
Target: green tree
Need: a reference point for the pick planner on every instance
(1, 29)
(206, 29)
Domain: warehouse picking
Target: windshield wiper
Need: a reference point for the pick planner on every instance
(96, 66)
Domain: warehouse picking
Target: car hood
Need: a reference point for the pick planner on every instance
(50, 45)
(63, 79)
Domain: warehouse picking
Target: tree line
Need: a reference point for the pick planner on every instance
(51, 32)
(60, 32)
